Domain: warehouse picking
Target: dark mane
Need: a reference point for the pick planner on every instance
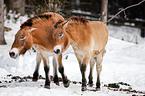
(59, 22)
(29, 22)
(79, 18)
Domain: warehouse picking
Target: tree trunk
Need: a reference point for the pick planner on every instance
(18, 6)
(104, 4)
(2, 39)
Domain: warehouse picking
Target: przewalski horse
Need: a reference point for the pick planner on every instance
(36, 32)
(88, 39)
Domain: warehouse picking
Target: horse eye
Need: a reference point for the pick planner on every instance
(60, 34)
(22, 37)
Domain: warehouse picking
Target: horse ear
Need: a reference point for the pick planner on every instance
(32, 29)
(64, 25)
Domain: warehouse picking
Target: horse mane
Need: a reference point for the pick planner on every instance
(29, 22)
(79, 18)
(59, 22)
(73, 18)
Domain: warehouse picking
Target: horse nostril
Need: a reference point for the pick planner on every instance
(57, 51)
(12, 54)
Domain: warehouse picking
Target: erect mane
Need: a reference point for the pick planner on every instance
(79, 18)
(29, 22)
(59, 22)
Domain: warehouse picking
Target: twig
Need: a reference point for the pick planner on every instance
(125, 9)
(46, 4)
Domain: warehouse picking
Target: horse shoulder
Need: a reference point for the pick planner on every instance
(79, 34)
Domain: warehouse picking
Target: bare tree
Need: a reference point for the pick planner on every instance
(104, 4)
(2, 39)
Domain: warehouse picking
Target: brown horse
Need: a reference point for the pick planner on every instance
(36, 32)
(88, 39)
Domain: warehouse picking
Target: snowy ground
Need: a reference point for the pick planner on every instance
(123, 62)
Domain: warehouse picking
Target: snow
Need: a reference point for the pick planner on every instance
(123, 62)
(82, 12)
(129, 34)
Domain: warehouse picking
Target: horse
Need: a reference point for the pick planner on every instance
(37, 33)
(88, 39)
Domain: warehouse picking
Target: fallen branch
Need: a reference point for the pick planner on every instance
(125, 9)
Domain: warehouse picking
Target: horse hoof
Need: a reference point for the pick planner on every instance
(35, 76)
(90, 85)
(57, 83)
(34, 79)
(47, 86)
(67, 84)
(98, 89)
(84, 88)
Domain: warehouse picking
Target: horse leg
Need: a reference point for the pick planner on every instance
(36, 74)
(55, 79)
(99, 59)
(92, 62)
(66, 82)
(46, 69)
(83, 67)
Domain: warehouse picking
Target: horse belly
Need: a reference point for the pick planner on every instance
(43, 51)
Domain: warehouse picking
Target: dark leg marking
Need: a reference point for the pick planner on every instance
(66, 82)
(35, 76)
(47, 81)
(83, 69)
(98, 83)
(38, 61)
(56, 81)
(90, 79)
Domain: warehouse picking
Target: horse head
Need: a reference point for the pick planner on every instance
(23, 42)
(60, 37)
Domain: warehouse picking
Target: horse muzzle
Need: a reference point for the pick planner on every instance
(57, 49)
(14, 53)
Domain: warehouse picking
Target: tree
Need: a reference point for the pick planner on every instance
(2, 39)
(104, 4)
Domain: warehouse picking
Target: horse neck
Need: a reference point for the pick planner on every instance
(42, 35)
